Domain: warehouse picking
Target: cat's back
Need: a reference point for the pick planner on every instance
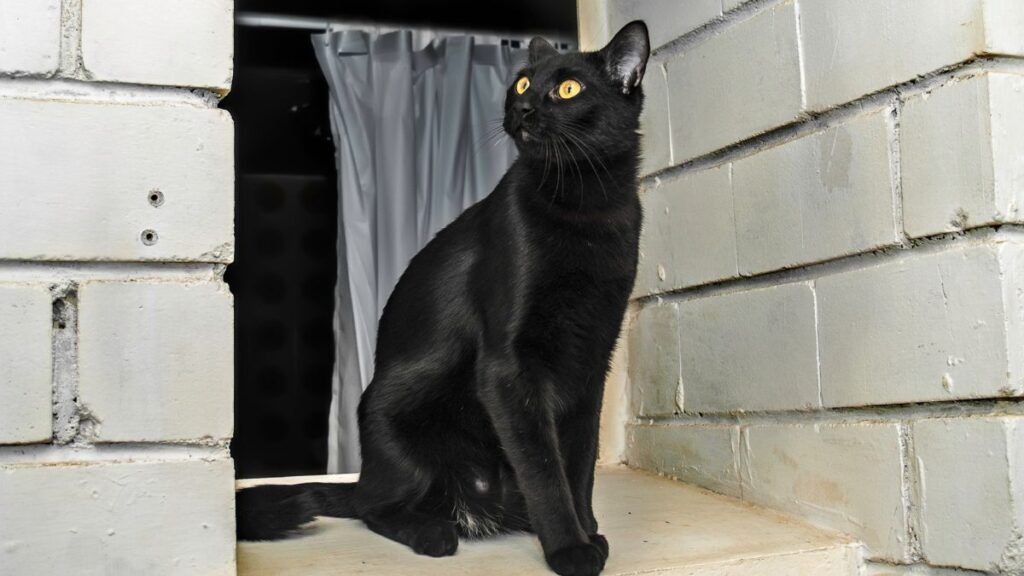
(432, 300)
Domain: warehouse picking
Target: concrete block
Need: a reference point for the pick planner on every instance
(976, 176)
(705, 455)
(26, 363)
(654, 361)
(820, 197)
(86, 181)
(715, 84)
(666, 19)
(29, 37)
(921, 328)
(844, 476)
(688, 236)
(750, 351)
(886, 569)
(728, 5)
(181, 43)
(156, 360)
(160, 518)
(856, 47)
(655, 124)
(1004, 20)
(970, 491)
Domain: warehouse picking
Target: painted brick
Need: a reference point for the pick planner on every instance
(844, 476)
(919, 328)
(856, 47)
(654, 361)
(91, 198)
(976, 176)
(666, 19)
(703, 455)
(688, 237)
(29, 37)
(816, 198)
(1004, 20)
(25, 363)
(655, 124)
(750, 351)
(885, 569)
(181, 43)
(728, 5)
(118, 518)
(156, 360)
(717, 82)
(971, 500)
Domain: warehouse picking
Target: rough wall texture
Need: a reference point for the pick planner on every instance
(116, 202)
(829, 310)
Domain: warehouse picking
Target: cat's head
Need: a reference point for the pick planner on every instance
(587, 101)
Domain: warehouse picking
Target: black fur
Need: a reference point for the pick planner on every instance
(492, 351)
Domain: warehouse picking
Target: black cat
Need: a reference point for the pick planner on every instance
(482, 416)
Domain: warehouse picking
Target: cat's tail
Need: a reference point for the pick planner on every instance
(272, 512)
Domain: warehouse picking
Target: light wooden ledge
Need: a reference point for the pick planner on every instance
(654, 526)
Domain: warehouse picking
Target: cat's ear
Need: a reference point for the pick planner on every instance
(540, 49)
(625, 57)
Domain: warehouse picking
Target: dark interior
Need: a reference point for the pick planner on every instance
(286, 217)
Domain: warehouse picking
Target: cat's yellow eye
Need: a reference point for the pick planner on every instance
(522, 85)
(569, 89)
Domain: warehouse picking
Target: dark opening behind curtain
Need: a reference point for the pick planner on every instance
(411, 122)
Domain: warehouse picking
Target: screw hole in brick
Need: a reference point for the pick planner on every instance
(156, 198)
(149, 237)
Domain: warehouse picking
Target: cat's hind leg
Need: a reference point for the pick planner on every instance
(426, 534)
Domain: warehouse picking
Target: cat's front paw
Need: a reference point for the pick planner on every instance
(435, 539)
(601, 542)
(578, 560)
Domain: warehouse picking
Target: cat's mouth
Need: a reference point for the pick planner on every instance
(524, 135)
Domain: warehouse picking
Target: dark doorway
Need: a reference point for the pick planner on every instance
(286, 216)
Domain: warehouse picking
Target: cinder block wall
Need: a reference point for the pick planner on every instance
(829, 315)
(116, 209)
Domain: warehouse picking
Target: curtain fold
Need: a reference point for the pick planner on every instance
(415, 120)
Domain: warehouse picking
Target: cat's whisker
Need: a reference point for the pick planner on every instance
(577, 131)
(597, 158)
(558, 172)
(561, 141)
(586, 156)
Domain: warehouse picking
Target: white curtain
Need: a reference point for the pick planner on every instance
(416, 121)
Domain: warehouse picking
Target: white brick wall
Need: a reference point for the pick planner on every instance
(825, 195)
(976, 178)
(662, 30)
(848, 476)
(654, 122)
(153, 359)
(654, 368)
(118, 517)
(855, 47)
(180, 43)
(832, 221)
(29, 37)
(972, 500)
(116, 362)
(750, 351)
(935, 322)
(688, 236)
(25, 363)
(715, 81)
(113, 158)
(704, 455)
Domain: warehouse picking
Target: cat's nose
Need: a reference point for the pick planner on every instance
(524, 108)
